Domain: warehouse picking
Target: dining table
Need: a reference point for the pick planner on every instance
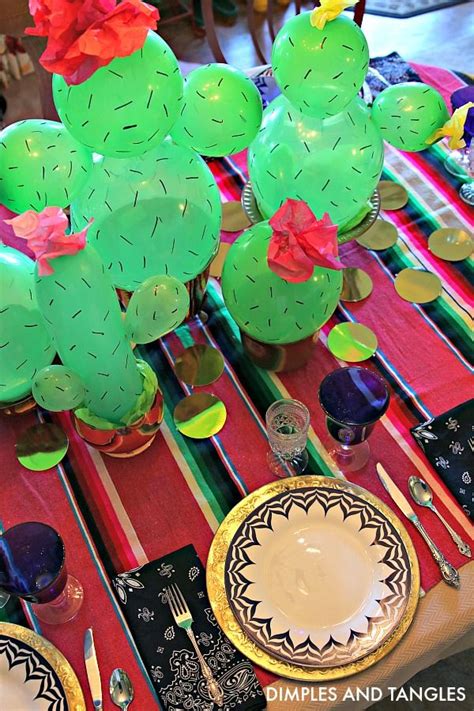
(115, 514)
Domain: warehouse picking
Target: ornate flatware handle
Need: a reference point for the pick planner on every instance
(448, 571)
(213, 686)
(462, 546)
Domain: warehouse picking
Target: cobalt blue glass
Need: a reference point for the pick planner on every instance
(33, 567)
(353, 400)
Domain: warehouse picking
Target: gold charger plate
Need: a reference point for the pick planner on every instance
(216, 586)
(57, 661)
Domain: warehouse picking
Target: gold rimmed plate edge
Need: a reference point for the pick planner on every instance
(215, 579)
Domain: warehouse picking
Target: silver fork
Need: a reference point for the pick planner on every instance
(184, 619)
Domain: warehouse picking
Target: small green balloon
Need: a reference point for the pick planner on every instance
(127, 107)
(58, 388)
(332, 164)
(41, 165)
(408, 114)
(221, 113)
(25, 345)
(320, 71)
(267, 307)
(157, 307)
(156, 213)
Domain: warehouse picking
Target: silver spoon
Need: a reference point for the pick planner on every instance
(422, 494)
(121, 689)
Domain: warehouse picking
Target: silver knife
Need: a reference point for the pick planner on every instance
(92, 668)
(448, 571)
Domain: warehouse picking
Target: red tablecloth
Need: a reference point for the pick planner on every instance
(116, 514)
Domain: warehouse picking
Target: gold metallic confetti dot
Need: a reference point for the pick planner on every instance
(234, 218)
(199, 365)
(41, 447)
(356, 284)
(219, 259)
(352, 342)
(451, 244)
(392, 195)
(381, 235)
(417, 285)
(200, 415)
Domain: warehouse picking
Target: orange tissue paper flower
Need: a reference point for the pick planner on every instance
(300, 242)
(45, 233)
(84, 35)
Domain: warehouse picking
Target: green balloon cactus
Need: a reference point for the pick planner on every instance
(318, 142)
(41, 165)
(25, 344)
(79, 304)
(221, 112)
(57, 388)
(158, 213)
(408, 114)
(267, 307)
(127, 107)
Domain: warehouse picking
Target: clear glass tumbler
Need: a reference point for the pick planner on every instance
(287, 429)
(33, 567)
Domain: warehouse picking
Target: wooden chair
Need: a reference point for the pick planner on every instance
(213, 39)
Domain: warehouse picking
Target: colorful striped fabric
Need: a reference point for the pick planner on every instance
(115, 514)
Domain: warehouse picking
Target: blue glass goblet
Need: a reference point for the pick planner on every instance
(353, 400)
(33, 567)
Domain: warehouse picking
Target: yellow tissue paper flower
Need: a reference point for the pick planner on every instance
(453, 128)
(328, 10)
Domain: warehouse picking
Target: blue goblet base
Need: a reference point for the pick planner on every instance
(351, 458)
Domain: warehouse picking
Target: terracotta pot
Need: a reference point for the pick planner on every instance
(18, 408)
(279, 357)
(125, 441)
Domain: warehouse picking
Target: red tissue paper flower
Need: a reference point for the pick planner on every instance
(45, 233)
(300, 242)
(84, 35)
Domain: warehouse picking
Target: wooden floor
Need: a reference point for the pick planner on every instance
(443, 38)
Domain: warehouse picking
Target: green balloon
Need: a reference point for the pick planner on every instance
(82, 311)
(127, 107)
(156, 213)
(320, 71)
(25, 345)
(408, 114)
(41, 165)
(333, 164)
(267, 307)
(157, 307)
(57, 388)
(221, 113)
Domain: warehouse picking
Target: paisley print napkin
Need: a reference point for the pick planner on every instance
(448, 442)
(165, 649)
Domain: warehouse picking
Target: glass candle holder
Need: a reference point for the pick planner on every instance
(33, 568)
(353, 400)
(287, 428)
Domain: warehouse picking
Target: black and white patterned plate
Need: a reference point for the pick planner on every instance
(318, 576)
(34, 676)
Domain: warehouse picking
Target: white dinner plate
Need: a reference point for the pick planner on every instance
(317, 576)
(34, 675)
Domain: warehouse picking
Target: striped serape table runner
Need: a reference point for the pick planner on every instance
(117, 514)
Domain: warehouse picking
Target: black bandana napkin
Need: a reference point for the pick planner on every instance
(448, 442)
(165, 649)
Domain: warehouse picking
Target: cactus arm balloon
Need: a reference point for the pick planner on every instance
(25, 343)
(408, 114)
(80, 305)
